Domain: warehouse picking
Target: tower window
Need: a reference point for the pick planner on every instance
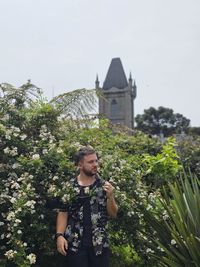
(114, 108)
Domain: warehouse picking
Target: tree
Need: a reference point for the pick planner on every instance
(195, 131)
(162, 120)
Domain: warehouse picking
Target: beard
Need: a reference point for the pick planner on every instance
(89, 173)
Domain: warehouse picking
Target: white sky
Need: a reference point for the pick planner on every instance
(61, 45)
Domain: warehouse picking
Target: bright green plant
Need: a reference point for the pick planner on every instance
(163, 166)
(178, 227)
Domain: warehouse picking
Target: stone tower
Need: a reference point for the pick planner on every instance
(119, 94)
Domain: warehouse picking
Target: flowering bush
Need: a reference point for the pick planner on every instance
(38, 144)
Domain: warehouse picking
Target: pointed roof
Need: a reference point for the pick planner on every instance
(130, 76)
(115, 76)
(97, 79)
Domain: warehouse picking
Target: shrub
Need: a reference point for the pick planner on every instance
(178, 226)
(38, 143)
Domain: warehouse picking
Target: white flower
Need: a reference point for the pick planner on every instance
(14, 151)
(15, 165)
(165, 215)
(130, 213)
(25, 244)
(55, 178)
(6, 150)
(1, 223)
(28, 187)
(30, 204)
(149, 207)
(52, 188)
(18, 210)
(13, 200)
(59, 150)
(77, 190)
(43, 128)
(19, 232)
(32, 258)
(36, 156)
(23, 137)
(11, 151)
(161, 249)
(15, 129)
(65, 198)
(173, 242)
(10, 253)
(10, 216)
(7, 135)
(149, 250)
(5, 117)
(2, 236)
(44, 151)
(15, 185)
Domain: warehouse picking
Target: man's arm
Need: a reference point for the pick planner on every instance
(112, 207)
(61, 225)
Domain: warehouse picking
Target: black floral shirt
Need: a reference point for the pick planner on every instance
(99, 217)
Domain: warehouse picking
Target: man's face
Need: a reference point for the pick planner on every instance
(88, 165)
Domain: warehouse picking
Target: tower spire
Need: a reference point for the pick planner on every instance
(134, 89)
(130, 76)
(130, 80)
(97, 82)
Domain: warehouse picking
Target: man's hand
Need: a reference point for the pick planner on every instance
(111, 204)
(109, 189)
(62, 245)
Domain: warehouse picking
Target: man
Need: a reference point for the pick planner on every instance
(81, 229)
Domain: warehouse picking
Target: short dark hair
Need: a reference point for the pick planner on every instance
(84, 151)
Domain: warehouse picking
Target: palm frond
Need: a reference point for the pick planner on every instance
(77, 103)
(18, 96)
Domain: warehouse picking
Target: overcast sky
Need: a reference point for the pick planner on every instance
(60, 45)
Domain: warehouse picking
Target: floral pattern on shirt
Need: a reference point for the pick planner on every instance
(74, 230)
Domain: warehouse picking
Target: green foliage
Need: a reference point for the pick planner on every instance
(124, 256)
(188, 150)
(77, 103)
(194, 131)
(162, 120)
(38, 142)
(164, 166)
(178, 228)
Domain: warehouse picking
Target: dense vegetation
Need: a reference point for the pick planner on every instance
(38, 140)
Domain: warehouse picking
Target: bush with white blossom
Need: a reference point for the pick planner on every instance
(36, 163)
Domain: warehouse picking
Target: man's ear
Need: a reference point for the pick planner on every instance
(80, 164)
